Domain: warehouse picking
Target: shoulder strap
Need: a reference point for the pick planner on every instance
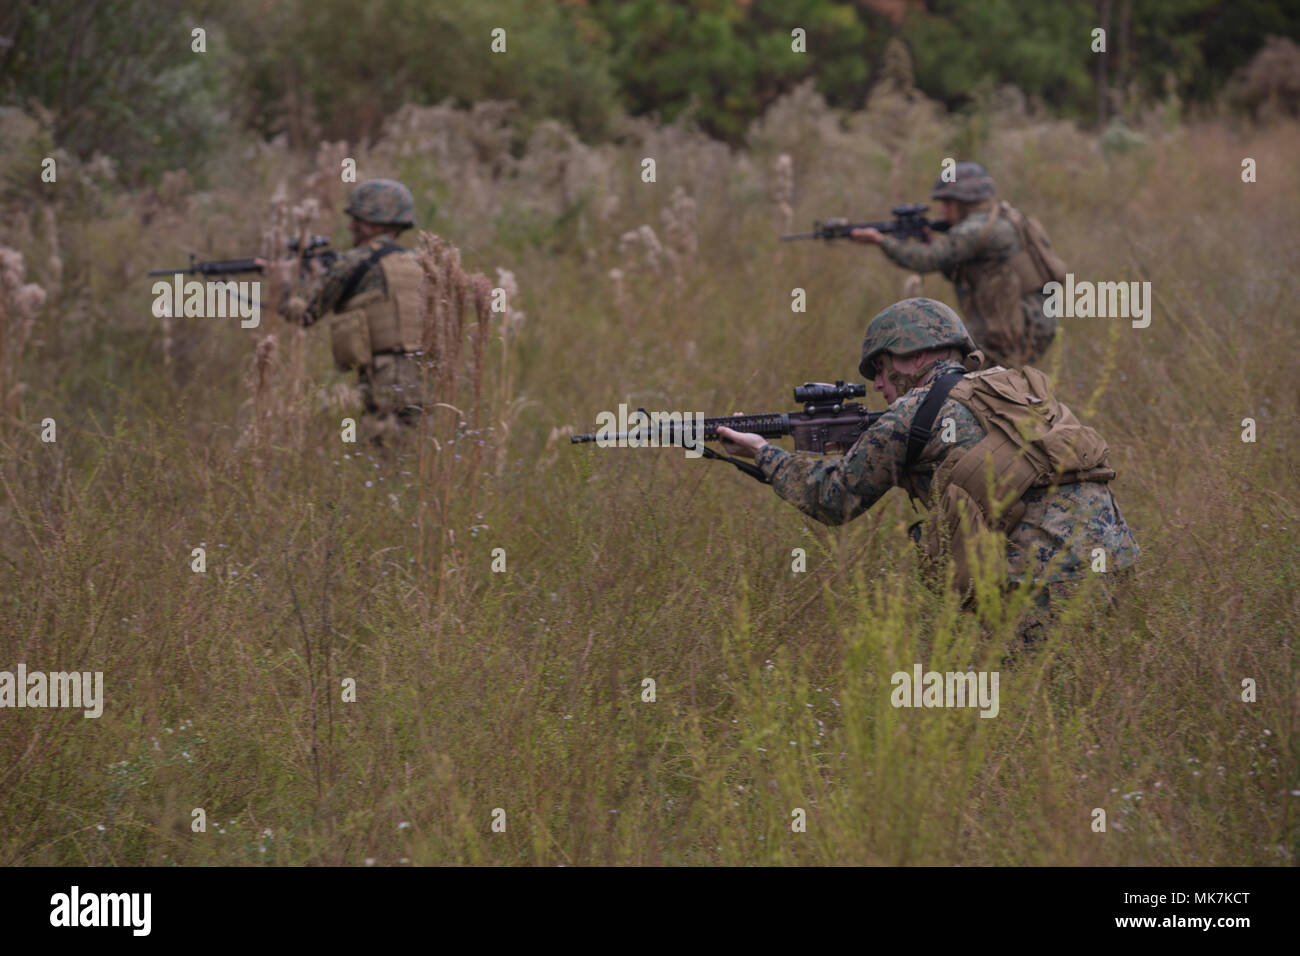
(995, 209)
(923, 423)
(355, 278)
(1021, 223)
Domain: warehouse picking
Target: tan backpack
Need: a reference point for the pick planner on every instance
(1031, 440)
(387, 320)
(996, 288)
(1040, 263)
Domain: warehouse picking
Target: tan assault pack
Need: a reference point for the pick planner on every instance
(1037, 262)
(382, 320)
(1031, 441)
(998, 287)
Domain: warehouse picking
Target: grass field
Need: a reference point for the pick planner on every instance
(522, 689)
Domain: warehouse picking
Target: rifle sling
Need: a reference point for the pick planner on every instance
(359, 272)
(923, 424)
(752, 470)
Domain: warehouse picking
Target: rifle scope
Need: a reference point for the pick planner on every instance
(313, 242)
(819, 393)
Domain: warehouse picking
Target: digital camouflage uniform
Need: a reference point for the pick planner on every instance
(1053, 541)
(393, 384)
(965, 254)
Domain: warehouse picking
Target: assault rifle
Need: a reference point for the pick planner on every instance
(317, 249)
(827, 425)
(909, 223)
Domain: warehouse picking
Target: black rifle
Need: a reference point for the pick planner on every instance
(909, 223)
(827, 425)
(317, 249)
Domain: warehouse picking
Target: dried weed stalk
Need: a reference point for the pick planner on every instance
(460, 410)
(19, 302)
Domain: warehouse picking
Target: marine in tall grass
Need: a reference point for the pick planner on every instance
(372, 296)
(998, 259)
(1011, 477)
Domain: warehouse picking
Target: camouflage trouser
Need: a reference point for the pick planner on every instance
(1042, 616)
(1039, 331)
(393, 387)
(1041, 327)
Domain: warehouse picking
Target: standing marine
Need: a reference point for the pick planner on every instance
(372, 297)
(998, 259)
(991, 450)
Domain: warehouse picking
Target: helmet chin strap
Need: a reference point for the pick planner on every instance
(905, 383)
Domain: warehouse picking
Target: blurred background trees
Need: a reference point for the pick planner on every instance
(119, 77)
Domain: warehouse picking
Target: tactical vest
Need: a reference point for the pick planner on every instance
(995, 288)
(380, 320)
(1031, 441)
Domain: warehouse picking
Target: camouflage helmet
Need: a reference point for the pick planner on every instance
(972, 184)
(383, 201)
(913, 325)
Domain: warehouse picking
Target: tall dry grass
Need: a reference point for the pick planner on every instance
(523, 689)
(20, 302)
(456, 427)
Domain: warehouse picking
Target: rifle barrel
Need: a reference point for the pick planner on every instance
(770, 425)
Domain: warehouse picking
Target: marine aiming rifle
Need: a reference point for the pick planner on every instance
(316, 250)
(827, 425)
(909, 223)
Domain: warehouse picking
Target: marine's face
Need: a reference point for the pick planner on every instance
(952, 211)
(883, 385)
(363, 231)
(886, 388)
(902, 364)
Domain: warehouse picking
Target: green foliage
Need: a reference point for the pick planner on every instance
(120, 78)
(338, 69)
(726, 62)
(1047, 47)
(957, 44)
(1232, 34)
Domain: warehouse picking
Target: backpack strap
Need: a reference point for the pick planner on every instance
(995, 210)
(923, 424)
(359, 272)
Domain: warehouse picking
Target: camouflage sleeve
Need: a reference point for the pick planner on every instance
(321, 292)
(836, 490)
(943, 253)
(324, 292)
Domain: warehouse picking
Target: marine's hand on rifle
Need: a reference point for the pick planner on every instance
(744, 444)
(865, 235)
(285, 270)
